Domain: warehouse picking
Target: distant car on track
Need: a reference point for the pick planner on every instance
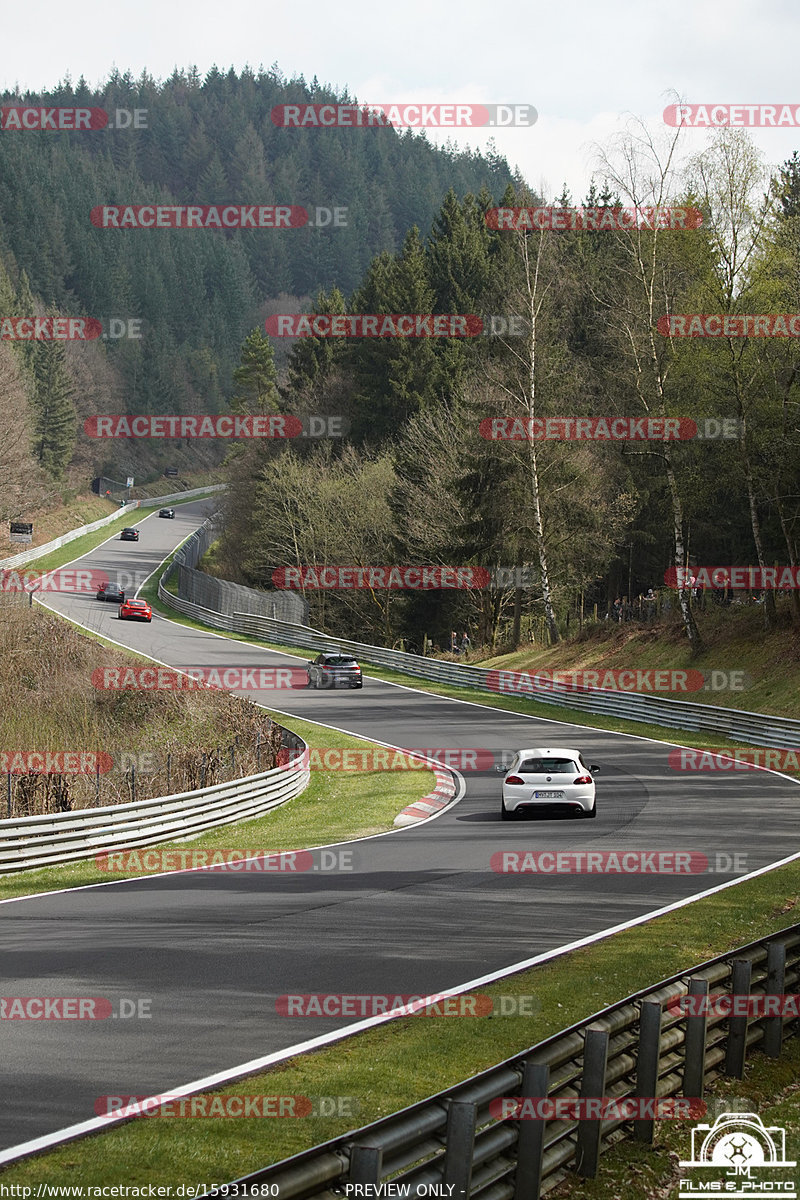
(109, 591)
(554, 778)
(129, 535)
(332, 667)
(167, 512)
(135, 610)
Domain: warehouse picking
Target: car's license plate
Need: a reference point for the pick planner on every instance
(548, 795)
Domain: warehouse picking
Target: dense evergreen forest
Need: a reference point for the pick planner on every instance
(207, 141)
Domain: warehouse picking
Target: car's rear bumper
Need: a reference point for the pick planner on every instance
(569, 803)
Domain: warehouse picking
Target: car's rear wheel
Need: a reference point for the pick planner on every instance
(505, 815)
(591, 813)
(311, 682)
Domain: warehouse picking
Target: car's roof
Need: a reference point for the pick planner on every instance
(138, 603)
(550, 751)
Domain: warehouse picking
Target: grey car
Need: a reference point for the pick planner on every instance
(333, 668)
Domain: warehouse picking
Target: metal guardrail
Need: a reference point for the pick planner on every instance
(42, 841)
(756, 729)
(636, 1048)
(26, 556)
(151, 501)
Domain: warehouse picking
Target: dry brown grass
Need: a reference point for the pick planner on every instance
(157, 742)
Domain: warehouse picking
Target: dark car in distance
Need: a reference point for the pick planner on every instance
(333, 667)
(129, 535)
(169, 513)
(109, 591)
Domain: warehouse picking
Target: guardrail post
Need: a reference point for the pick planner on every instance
(365, 1164)
(736, 1049)
(530, 1140)
(776, 982)
(647, 1063)
(593, 1084)
(694, 1046)
(462, 1116)
(8, 792)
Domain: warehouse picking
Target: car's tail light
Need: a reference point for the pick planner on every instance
(583, 779)
(513, 779)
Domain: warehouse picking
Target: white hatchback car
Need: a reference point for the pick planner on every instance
(554, 777)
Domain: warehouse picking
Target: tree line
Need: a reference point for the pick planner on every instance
(199, 140)
(418, 480)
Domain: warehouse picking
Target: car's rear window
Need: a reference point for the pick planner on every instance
(547, 766)
(337, 660)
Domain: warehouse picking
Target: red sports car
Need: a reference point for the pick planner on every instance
(135, 610)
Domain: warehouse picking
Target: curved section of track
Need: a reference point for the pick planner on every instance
(421, 910)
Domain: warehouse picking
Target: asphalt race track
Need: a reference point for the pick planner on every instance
(421, 909)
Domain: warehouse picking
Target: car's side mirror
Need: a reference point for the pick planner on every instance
(593, 769)
(501, 770)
